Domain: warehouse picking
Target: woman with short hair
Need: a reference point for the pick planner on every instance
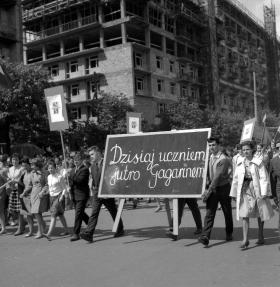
(251, 188)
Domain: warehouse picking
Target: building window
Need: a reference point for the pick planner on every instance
(159, 62)
(169, 24)
(74, 67)
(161, 108)
(185, 91)
(75, 91)
(172, 88)
(94, 88)
(76, 113)
(160, 85)
(171, 66)
(54, 71)
(182, 69)
(139, 85)
(193, 94)
(93, 62)
(138, 60)
(155, 17)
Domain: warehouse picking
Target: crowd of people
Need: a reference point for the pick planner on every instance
(30, 187)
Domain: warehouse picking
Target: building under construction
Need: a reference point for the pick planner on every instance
(10, 30)
(153, 52)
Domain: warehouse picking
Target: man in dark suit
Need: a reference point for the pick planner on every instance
(96, 168)
(79, 190)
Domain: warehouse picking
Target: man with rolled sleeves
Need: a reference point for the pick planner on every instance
(219, 187)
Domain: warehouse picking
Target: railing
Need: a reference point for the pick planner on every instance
(191, 15)
(49, 8)
(30, 36)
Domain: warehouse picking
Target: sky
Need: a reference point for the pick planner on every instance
(256, 7)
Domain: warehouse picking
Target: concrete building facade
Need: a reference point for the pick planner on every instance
(10, 30)
(151, 51)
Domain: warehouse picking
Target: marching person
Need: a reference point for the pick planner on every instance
(109, 203)
(57, 191)
(14, 175)
(39, 197)
(3, 194)
(251, 188)
(236, 157)
(219, 188)
(275, 181)
(193, 206)
(26, 185)
(79, 190)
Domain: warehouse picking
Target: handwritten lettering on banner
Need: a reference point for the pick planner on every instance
(165, 164)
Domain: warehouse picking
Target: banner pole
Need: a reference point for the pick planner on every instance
(64, 156)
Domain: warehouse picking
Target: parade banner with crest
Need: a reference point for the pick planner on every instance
(56, 107)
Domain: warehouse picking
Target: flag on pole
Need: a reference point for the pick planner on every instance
(264, 118)
(5, 81)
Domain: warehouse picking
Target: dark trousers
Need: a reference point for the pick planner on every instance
(96, 206)
(220, 195)
(80, 215)
(193, 206)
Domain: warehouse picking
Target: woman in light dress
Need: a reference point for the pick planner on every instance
(251, 188)
(57, 190)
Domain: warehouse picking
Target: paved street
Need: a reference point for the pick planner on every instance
(144, 257)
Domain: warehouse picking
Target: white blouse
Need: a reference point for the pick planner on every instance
(56, 184)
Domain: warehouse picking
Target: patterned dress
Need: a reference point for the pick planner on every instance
(38, 181)
(14, 173)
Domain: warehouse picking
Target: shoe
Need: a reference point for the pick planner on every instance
(119, 233)
(260, 242)
(229, 237)
(198, 231)
(17, 233)
(75, 237)
(39, 236)
(47, 236)
(159, 208)
(86, 237)
(171, 235)
(28, 235)
(245, 245)
(203, 240)
(65, 233)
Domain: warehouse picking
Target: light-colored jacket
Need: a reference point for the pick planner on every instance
(260, 181)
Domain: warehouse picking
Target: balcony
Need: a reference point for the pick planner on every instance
(220, 33)
(193, 17)
(233, 72)
(49, 8)
(83, 22)
(232, 58)
(252, 53)
(230, 28)
(244, 78)
(231, 40)
(184, 76)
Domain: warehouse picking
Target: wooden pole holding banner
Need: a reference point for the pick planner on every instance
(255, 97)
(175, 217)
(118, 216)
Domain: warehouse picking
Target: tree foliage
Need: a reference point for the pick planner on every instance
(24, 101)
(110, 113)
